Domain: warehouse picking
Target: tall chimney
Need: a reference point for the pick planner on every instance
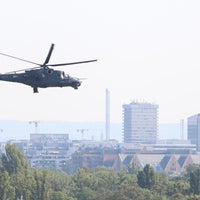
(182, 129)
(107, 115)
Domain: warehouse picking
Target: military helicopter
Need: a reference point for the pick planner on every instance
(42, 76)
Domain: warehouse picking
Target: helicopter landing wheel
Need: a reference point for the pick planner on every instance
(35, 90)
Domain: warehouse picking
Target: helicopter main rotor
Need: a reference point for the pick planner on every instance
(49, 55)
(45, 64)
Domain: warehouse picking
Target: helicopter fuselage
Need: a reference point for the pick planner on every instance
(42, 78)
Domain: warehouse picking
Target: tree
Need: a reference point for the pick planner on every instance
(6, 190)
(42, 187)
(24, 185)
(13, 160)
(195, 181)
(59, 196)
(146, 177)
(178, 196)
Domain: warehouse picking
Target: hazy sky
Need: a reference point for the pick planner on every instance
(147, 50)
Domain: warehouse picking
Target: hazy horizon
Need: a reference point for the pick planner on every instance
(17, 129)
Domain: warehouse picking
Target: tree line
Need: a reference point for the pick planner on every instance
(19, 181)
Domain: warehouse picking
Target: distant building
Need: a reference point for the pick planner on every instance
(172, 163)
(50, 141)
(140, 123)
(194, 130)
(55, 151)
(48, 150)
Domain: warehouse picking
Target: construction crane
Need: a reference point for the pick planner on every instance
(35, 124)
(82, 130)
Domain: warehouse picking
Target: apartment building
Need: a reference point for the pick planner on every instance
(140, 123)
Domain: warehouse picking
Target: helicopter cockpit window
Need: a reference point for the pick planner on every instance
(62, 74)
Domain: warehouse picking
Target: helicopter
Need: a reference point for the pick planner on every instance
(43, 76)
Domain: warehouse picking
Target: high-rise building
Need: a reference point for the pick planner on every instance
(193, 124)
(140, 123)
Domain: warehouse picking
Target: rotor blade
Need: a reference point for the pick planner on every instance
(82, 78)
(19, 59)
(49, 54)
(20, 70)
(72, 63)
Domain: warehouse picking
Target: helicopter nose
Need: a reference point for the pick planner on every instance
(79, 83)
(76, 83)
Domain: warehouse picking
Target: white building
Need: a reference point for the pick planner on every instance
(48, 150)
(140, 123)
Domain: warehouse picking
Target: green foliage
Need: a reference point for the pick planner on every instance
(195, 180)
(175, 187)
(193, 197)
(178, 196)
(59, 196)
(161, 184)
(127, 191)
(13, 160)
(18, 180)
(146, 177)
(6, 190)
(42, 188)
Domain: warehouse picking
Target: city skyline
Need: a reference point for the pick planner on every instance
(145, 50)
